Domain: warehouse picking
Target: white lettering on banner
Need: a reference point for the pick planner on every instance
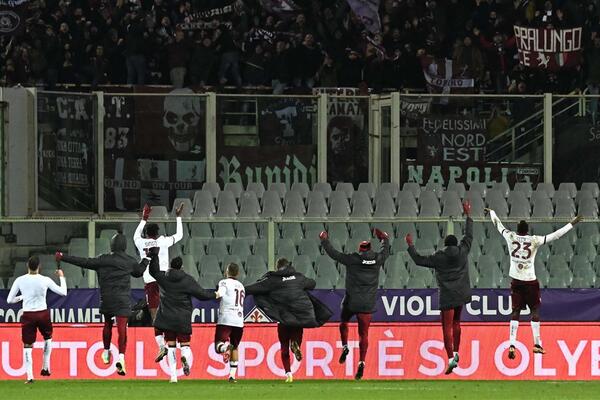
(426, 355)
(572, 358)
(385, 358)
(6, 361)
(499, 360)
(595, 367)
(420, 306)
(293, 168)
(539, 369)
(140, 369)
(224, 370)
(91, 360)
(472, 174)
(471, 369)
(431, 126)
(70, 108)
(72, 347)
(248, 362)
(548, 40)
(312, 362)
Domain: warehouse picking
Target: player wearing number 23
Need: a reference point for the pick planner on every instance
(524, 287)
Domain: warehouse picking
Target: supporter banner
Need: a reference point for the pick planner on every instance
(347, 135)
(12, 16)
(216, 8)
(281, 164)
(154, 148)
(422, 173)
(414, 107)
(442, 76)
(368, 12)
(200, 25)
(576, 146)
(452, 140)
(396, 351)
(286, 121)
(548, 48)
(66, 152)
(399, 305)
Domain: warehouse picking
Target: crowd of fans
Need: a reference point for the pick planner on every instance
(323, 44)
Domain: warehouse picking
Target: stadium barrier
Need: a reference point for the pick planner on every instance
(397, 351)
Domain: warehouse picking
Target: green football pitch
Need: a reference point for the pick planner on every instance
(304, 390)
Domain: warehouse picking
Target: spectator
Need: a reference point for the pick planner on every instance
(99, 67)
(134, 50)
(327, 75)
(255, 71)
(350, 74)
(202, 62)
(229, 70)
(468, 59)
(310, 59)
(178, 54)
(279, 68)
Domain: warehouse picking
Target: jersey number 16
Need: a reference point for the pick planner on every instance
(239, 297)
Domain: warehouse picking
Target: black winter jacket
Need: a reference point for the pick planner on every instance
(451, 270)
(176, 291)
(114, 276)
(362, 276)
(283, 295)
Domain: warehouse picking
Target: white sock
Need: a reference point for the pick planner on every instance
(172, 362)
(106, 353)
(27, 355)
(535, 328)
(121, 358)
(514, 327)
(221, 348)
(160, 341)
(47, 352)
(186, 352)
(232, 369)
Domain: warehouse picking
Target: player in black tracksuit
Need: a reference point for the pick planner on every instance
(174, 313)
(452, 274)
(114, 278)
(283, 295)
(362, 279)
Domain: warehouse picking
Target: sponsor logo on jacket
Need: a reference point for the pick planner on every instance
(369, 262)
(288, 278)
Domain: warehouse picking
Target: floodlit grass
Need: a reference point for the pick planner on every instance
(304, 390)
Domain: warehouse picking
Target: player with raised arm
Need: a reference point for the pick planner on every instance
(174, 314)
(153, 239)
(114, 279)
(524, 287)
(36, 316)
(230, 325)
(362, 279)
(451, 266)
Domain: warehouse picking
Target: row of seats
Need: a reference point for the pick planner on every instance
(387, 201)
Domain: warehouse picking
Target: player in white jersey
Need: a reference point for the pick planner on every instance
(153, 239)
(33, 288)
(524, 287)
(230, 325)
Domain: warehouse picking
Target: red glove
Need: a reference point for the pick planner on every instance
(379, 234)
(58, 256)
(467, 207)
(323, 235)
(146, 212)
(409, 240)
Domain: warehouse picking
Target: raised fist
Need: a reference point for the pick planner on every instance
(467, 207)
(178, 210)
(323, 235)
(58, 256)
(59, 273)
(379, 234)
(409, 240)
(146, 212)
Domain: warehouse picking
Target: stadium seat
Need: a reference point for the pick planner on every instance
(493, 247)
(542, 207)
(585, 247)
(561, 194)
(490, 275)
(256, 263)
(187, 207)
(547, 187)
(430, 206)
(159, 212)
(323, 187)
(190, 266)
(303, 263)
(327, 274)
(271, 205)
(201, 230)
(240, 247)
(396, 275)
(313, 229)
(249, 206)
(217, 247)
(538, 195)
(338, 231)
(495, 200)
(285, 247)
(226, 205)
(294, 205)
(560, 279)
(204, 206)
(435, 187)
(591, 187)
(477, 203)
(569, 187)
(457, 187)
(557, 263)
(565, 208)
(292, 230)
(503, 187)
(428, 230)
(581, 195)
(309, 247)
(407, 205)
(391, 187)
(451, 205)
(563, 248)
(346, 188)
(361, 204)
(479, 187)
(412, 187)
(588, 208)
(590, 230)
(234, 187)
(209, 264)
(280, 188)
(260, 248)
(384, 205)
(257, 187)
(360, 230)
(420, 277)
(523, 187)
(317, 207)
(403, 228)
(541, 273)
(223, 230)
(108, 233)
(368, 188)
(213, 188)
(302, 188)
(338, 205)
(175, 251)
(519, 208)
(247, 230)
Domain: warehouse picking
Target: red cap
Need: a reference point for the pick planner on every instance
(365, 245)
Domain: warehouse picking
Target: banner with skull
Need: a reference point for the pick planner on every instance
(66, 152)
(12, 16)
(154, 147)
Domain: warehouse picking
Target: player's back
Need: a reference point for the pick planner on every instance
(33, 288)
(231, 309)
(163, 243)
(522, 250)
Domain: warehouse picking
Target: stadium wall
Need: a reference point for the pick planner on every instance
(397, 351)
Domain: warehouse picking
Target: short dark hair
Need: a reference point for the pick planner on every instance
(152, 231)
(233, 269)
(522, 228)
(282, 263)
(176, 263)
(450, 240)
(33, 263)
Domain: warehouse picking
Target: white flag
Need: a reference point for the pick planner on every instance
(368, 12)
